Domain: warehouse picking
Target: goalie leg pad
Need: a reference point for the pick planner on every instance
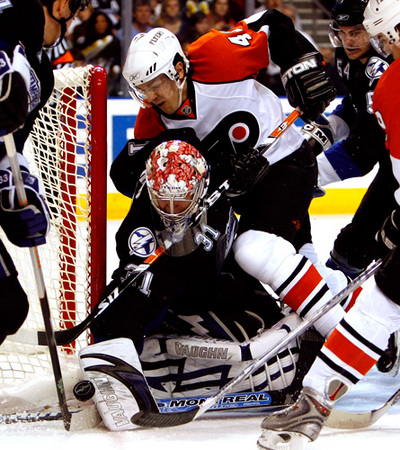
(188, 366)
(121, 389)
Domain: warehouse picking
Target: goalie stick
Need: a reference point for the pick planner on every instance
(353, 420)
(152, 419)
(238, 403)
(85, 415)
(41, 288)
(65, 337)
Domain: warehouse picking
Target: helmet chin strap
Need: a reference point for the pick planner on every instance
(63, 24)
(180, 89)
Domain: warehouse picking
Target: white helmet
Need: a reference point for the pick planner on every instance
(177, 179)
(150, 55)
(382, 17)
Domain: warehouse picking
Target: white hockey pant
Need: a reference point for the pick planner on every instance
(275, 262)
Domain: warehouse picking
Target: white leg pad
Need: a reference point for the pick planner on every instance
(121, 389)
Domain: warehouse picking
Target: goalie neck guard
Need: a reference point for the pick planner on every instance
(177, 178)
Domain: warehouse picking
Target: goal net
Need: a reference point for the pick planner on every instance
(67, 149)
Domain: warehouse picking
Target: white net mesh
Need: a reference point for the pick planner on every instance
(61, 151)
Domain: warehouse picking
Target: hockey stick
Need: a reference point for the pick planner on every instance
(81, 418)
(151, 419)
(279, 130)
(65, 337)
(41, 288)
(353, 420)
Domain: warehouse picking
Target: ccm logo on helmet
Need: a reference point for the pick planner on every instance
(300, 67)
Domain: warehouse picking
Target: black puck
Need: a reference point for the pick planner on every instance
(84, 390)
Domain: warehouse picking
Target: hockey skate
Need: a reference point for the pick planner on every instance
(293, 427)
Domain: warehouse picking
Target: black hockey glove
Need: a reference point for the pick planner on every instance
(27, 226)
(247, 171)
(19, 90)
(318, 134)
(388, 236)
(308, 86)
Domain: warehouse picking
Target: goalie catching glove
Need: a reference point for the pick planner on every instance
(26, 226)
(19, 90)
(308, 87)
(247, 171)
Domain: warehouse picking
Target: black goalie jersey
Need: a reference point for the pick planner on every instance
(191, 283)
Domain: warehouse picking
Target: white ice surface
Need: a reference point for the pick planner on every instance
(212, 433)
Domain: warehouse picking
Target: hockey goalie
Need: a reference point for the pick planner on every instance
(201, 318)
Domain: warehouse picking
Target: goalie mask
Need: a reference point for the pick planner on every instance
(151, 55)
(346, 29)
(177, 178)
(382, 22)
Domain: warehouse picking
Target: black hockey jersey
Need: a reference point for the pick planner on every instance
(187, 284)
(365, 144)
(22, 21)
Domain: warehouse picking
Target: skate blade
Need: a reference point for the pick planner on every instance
(281, 440)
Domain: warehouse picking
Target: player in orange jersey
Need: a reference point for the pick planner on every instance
(361, 337)
(214, 92)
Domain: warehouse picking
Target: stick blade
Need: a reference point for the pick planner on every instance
(149, 419)
(347, 420)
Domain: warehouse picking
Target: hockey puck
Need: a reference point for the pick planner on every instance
(84, 390)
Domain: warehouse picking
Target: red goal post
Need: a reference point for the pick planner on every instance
(67, 149)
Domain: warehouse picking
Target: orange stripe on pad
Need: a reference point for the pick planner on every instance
(303, 288)
(349, 353)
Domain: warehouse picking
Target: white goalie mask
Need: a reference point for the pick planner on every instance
(177, 178)
(150, 55)
(382, 21)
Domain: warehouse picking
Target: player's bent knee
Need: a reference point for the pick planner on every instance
(260, 254)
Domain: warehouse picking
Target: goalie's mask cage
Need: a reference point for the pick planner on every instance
(348, 13)
(382, 22)
(177, 178)
(150, 55)
(67, 150)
